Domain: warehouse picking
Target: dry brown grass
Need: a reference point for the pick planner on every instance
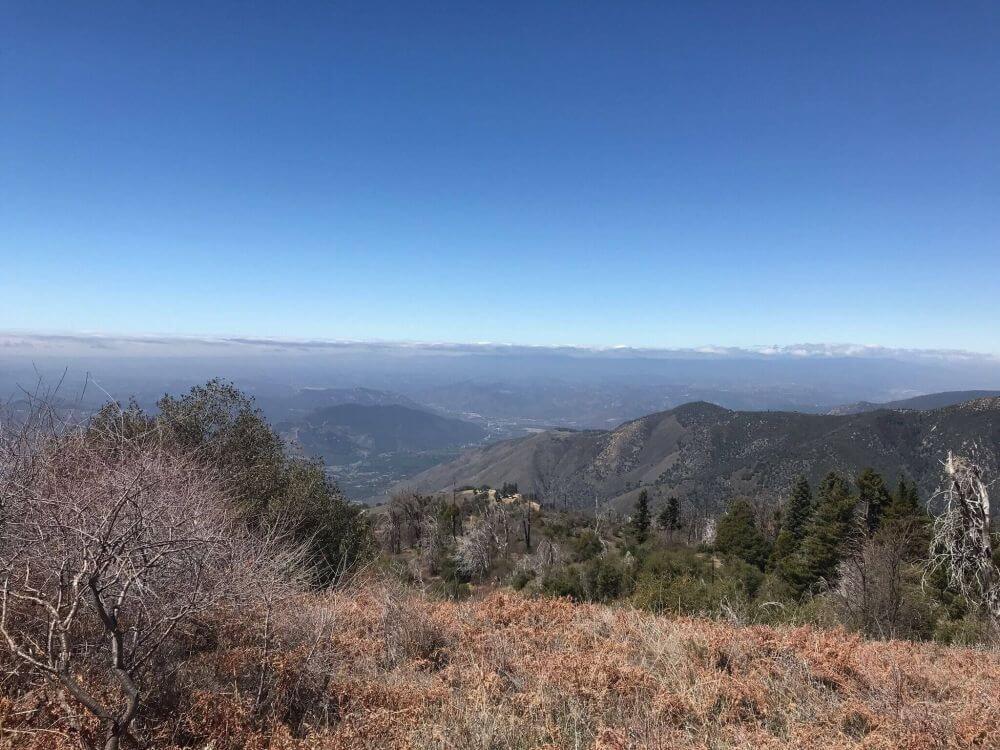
(384, 668)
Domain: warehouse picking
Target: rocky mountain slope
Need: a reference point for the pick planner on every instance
(706, 454)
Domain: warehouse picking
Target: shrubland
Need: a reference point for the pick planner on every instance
(176, 580)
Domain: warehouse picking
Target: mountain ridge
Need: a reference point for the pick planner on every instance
(706, 454)
(925, 401)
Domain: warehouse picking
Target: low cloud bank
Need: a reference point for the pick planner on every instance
(63, 345)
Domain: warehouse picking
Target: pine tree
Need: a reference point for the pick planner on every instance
(799, 509)
(826, 536)
(670, 517)
(873, 498)
(641, 519)
(833, 484)
(737, 535)
(795, 520)
(906, 518)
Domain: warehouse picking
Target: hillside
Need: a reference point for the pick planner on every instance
(927, 401)
(350, 432)
(307, 400)
(707, 454)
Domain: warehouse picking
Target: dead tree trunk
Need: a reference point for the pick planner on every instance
(962, 536)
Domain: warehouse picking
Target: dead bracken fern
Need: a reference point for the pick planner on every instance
(380, 666)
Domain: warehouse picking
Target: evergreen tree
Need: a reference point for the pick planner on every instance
(905, 501)
(826, 536)
(873, 498)
(795, 520)
(832, 485)
(737, 535)
(799, 509)
(222, 425)
(784, 547)
(641, 519)
(670, 517)
(906, 519)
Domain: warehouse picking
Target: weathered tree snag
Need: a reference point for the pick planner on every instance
(961, 540)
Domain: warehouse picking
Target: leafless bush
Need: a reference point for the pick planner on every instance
(545, 557)
(406, 520)
(488, 537)
(111, 548)
(870, 586)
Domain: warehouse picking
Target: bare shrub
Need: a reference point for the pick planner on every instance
(111, 549)
(488, 538)
(877, 593)
(545, 557)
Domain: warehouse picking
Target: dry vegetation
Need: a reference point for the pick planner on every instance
(381, 667)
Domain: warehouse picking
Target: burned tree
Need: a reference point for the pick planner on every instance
(961, 543)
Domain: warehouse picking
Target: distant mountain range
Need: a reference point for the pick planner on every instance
(928, 401)
(350, 432)
(307, 400)
(706, 454)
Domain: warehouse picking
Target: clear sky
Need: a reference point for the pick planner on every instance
(659, 174)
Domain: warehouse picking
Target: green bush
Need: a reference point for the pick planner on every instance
(587, 545)
(522, 578)
(683, 582)
(970, 630)
(564, 581)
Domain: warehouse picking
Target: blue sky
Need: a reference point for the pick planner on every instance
(650, 174)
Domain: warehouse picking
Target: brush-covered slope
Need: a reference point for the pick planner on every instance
(708, 454)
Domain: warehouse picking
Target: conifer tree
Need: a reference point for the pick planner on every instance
(641, 519)
(873, 498)
(826, 536)
(795, 519)
(906, 519)
(831, 485)
(670, 517)
(737, 534)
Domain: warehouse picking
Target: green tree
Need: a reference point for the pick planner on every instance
(737, 535)
(905, 502)
(826, 536)
(795, 518)
(799, 509)
(905, 518)
(873, 498)
(509, 489)
(670, 517)
(641, 520)
(833, 484)
(223, 427)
